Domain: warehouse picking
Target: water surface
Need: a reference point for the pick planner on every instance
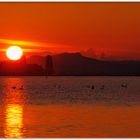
(39, 107)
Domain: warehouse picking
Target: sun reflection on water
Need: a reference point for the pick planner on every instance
(14, 100)
(14, 122)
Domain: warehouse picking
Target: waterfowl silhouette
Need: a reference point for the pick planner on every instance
(21, 88)
(14, 87)
(92, 87)
(124, 85)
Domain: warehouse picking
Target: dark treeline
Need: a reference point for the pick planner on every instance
(70, 64)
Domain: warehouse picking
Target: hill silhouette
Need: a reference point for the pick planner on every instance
(77, 64)
(69, 64)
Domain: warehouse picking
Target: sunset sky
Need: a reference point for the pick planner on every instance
(98, 30)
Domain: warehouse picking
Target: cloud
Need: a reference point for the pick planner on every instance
(26, 45)
(35, 47)
(20, 42)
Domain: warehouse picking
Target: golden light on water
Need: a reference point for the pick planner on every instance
(14, 121)
(14, 100)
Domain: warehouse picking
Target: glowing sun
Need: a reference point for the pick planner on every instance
(14, 53)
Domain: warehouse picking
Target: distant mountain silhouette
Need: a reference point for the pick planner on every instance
(76, 64)
(36, 59)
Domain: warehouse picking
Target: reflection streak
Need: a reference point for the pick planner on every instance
(13, 100)
(14, 122)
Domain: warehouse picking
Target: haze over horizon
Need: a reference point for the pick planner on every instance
(108, 31)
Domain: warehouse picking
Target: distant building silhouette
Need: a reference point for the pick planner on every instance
(49, 65)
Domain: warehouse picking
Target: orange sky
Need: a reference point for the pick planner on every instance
(102, 30)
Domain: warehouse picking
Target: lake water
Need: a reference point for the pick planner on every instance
(70, 107)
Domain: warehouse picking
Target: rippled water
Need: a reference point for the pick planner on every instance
(32, 107)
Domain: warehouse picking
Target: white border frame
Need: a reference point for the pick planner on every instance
(71, 1)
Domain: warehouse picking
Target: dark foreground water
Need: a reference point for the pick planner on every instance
(39, 107)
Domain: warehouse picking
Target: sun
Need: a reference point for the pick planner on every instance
(14, 53)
